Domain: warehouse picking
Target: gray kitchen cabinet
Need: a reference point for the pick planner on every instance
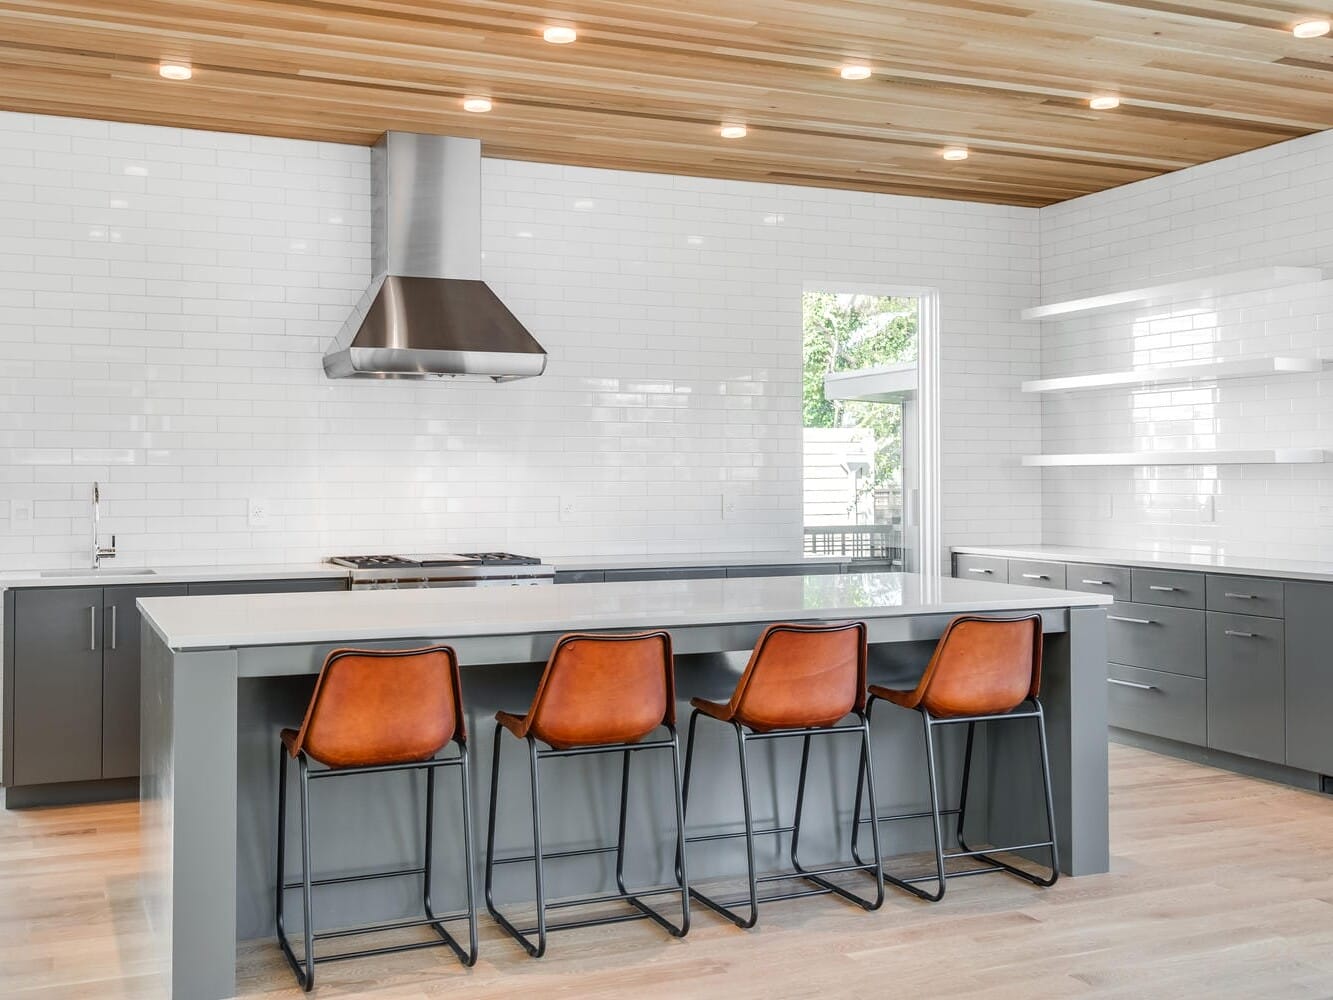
(1245, 595)
(678, 573)
(1157, 637)
(57, 717)
(1172, 706)
(1090, 578)
(120, 675)
(1309, 676)
(309, 586)
(579, 576)
(990, 568)
(1029, 573)
(1246, 686)
(1157, 586)
(790, 569)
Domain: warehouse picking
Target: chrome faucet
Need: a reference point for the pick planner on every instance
(100, 553)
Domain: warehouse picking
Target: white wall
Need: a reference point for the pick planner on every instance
(166, 296)
(1267, 207)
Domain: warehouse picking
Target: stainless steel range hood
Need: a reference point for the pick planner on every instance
(427, 313)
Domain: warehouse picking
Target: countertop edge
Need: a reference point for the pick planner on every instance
(1179, 561)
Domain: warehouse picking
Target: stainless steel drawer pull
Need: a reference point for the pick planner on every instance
(1095, 583)
(113, 627)
(974, 569)
(1165, 590)
(1131, 684)
(1239, 635)
(1131, 621)
(1241, 597)
(92, 626)
(1035, 576)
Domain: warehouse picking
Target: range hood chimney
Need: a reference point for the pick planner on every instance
(427, 313)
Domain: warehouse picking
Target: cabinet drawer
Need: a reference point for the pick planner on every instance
(580, 576)
(1247, 686)
(1158, 638)
(981, 568)
(1092, 579)
(1245, 595)
(681, 573)
(1155, 586)
(1160, 704)
(1029, 573)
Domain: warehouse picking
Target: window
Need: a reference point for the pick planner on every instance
(862, 424)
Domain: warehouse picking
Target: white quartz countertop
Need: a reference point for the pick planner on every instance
(1198, 561)
(113, 576)
(691, 561)
(350, 616)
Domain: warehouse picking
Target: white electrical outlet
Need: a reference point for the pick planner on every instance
(728, 509)
(569, 509)
(1208, 510)
(258, 513)
(20, 515)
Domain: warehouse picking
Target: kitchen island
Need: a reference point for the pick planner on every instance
(222, 674)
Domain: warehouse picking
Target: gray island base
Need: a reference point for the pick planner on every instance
(222, 674)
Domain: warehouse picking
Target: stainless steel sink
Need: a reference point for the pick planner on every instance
(104, 571)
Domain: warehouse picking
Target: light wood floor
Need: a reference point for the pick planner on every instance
(1222, 886)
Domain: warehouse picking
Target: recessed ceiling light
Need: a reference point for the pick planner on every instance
(1312, 29)
(477, 105)
(175, 71)
(694, 241)
(732, 131)
(1104, 102)
(856, 71)
(560, 34)
(954, 153)
(774, 219)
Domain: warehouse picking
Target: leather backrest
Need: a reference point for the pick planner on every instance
(599, 689)
(984, 666)
(803, 675)
(383, 706)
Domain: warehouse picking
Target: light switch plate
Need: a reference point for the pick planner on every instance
(729, 506)
(257, 515)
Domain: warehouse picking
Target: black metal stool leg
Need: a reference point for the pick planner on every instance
(678, 798)
(1050, 798)
(309, 929)
(624, 822)
(470, 958)
(280, 908)
(862, 771)
(752, 880)
(685, 791)
(428, 865)
(967, 779)
(817, 878)
(936, 828)
(538, 949)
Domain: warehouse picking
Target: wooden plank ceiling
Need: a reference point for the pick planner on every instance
(648, 82)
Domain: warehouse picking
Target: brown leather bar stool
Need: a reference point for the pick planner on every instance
(599, 694)
(983, 670)
(801, 680)
(377, 711)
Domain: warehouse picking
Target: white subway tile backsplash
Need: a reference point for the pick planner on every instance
(166, 296)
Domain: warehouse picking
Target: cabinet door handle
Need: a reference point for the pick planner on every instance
(1165, 590)
(1095, 583)
(1239, 635)
(973, 569)
(1131, 621)
(1035, 576)
(1240, 597)
(1131, 684)
(92, 627)
(113, 628)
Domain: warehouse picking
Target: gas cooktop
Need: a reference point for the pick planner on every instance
(435, 559)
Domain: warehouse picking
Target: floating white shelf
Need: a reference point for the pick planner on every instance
(1263, 456)
(1253, 280)
(1188, 372)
